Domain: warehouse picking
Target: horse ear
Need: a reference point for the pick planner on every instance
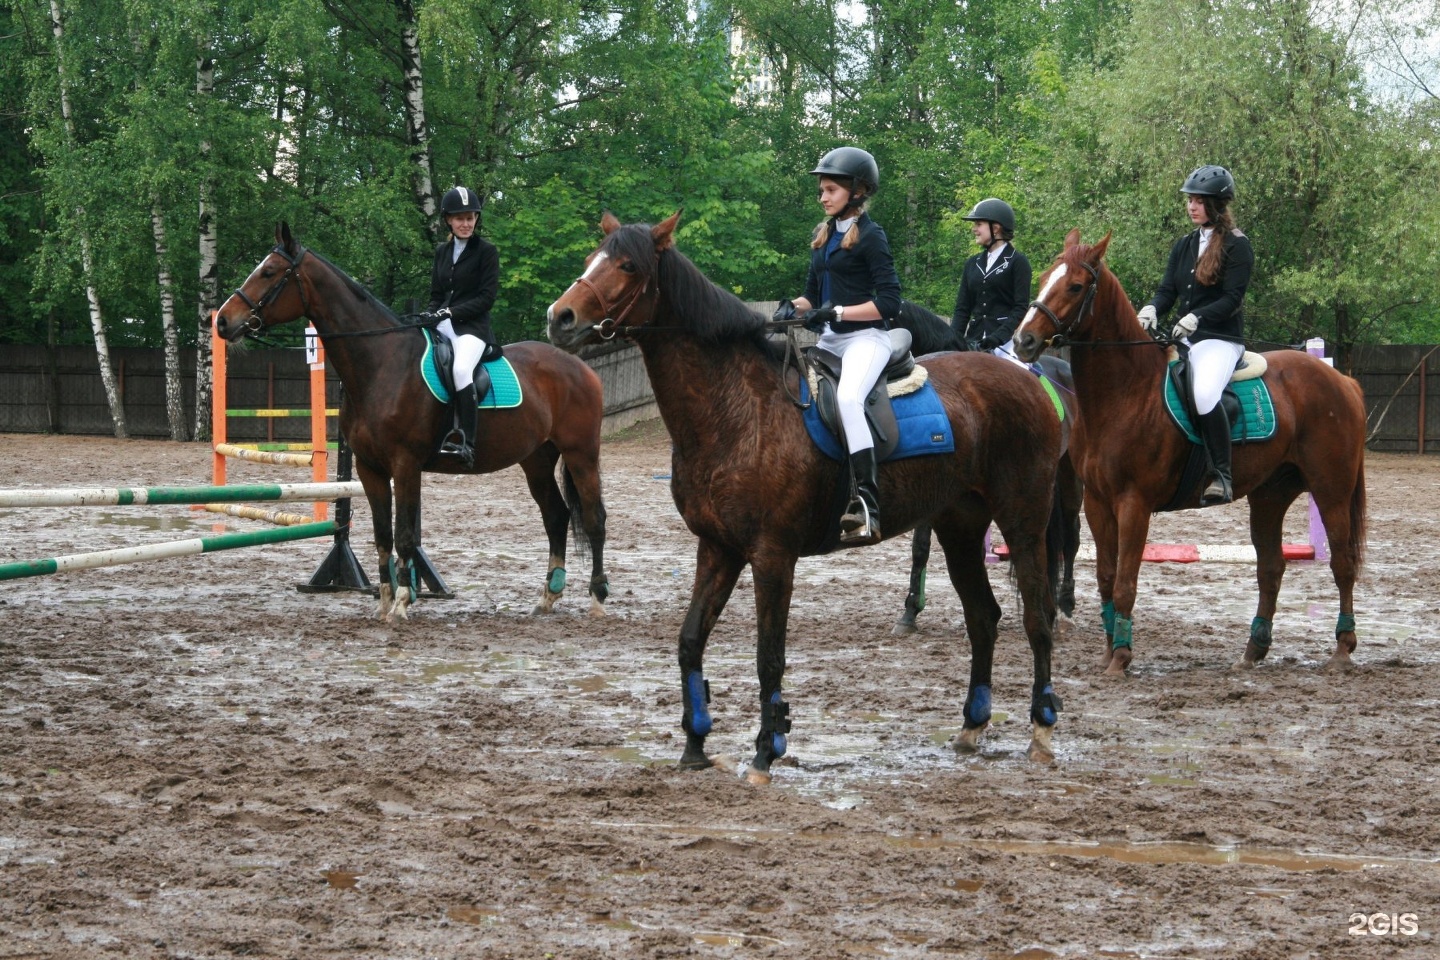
(608, 223)
(1097, 252)
(1072, 238)
(663, 232)
(283, 237)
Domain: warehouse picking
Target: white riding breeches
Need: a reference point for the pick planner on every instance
(1211, 364)
(468, 351)
(864, 354)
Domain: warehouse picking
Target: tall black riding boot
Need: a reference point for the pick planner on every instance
(1215, 431)
(861, 522)
(461, 441)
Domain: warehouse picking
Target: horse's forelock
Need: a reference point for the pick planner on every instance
(633, 242)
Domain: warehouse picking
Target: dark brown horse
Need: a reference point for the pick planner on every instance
(753, 487)
(932, 333)
(394, 423)
(1130, 454)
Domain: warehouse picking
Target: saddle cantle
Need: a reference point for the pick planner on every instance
(913, 425)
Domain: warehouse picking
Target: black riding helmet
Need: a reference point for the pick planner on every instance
(1210, 181)
(460, 200)
(850, 163)
(992, 210)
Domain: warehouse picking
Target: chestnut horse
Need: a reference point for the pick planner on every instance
(394, 423)
(1130, 453)
(932, 333)
(753, 487)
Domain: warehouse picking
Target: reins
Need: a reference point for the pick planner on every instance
(254, 324)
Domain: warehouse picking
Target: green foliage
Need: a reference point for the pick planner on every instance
(1077, 113)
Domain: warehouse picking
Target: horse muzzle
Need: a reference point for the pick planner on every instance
(1028, 347)
(566, 330)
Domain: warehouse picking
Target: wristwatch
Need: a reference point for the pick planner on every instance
(839, 313)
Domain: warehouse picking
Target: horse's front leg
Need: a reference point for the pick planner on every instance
(377, 492)
(716, 570)
(1132, 529)
(915, 599)
(404, 578)
(774, 583)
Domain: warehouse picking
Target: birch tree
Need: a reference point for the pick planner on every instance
(174, 396)
(87, 260)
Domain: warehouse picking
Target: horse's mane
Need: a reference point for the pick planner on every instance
(357, 288)
(929, 332)
(710, 312)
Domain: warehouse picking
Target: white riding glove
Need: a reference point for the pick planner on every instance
(1185, 327)
(1148, 319)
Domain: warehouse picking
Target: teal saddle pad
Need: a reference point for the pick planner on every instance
(505, 390)
(1257, 411)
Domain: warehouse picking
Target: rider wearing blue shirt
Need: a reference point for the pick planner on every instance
(853, 280)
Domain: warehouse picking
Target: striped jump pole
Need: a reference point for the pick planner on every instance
(163, 551)
(137, 496)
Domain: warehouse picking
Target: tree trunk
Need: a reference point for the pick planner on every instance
(87, 261)
(209, 293)
(1343, 336)
(174, 395)
(415, 117)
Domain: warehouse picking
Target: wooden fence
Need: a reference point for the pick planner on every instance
(44, 391)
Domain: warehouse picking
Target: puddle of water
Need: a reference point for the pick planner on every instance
(589, 684)
(148, 523)
(732, 939)
(965, 884)
(631, 755)
(1277, 893)
(342, 879)
(473, 915)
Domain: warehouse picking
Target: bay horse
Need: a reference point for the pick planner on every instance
(932, 333)
(1130, 454)
(754, 489)
(394, 424)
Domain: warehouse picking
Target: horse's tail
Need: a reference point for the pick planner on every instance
(577, 519)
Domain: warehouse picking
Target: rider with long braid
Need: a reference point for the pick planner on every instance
(1205, 282)
(463, 286)
(851, 293)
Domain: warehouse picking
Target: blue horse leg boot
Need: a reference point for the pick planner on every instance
(977, 707)
(770, 744)
(696, 720)
(1045, 707)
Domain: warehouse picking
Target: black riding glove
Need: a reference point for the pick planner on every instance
(784, 313)
(989, 342)
(973, 346)
(819, 317)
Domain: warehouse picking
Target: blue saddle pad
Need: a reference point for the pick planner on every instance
(505, 390)
(924, 427)
(1257, 411)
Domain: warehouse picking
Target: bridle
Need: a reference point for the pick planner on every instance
(610, 326)
(1063, 330)
(255, 323)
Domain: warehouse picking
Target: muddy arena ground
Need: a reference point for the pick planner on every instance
(196, 760)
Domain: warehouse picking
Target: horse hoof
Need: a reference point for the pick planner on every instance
(904, 629)
(1339, 663)
(689, 762)
(597, 609)
(761, 778)
(967, 740)
(1246, 664)
(1040, 750)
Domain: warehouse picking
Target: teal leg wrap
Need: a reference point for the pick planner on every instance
(1345, 623)
(556, 583)
(1260, 633)
(1107, 614)
(395, 581)
(1123, 629)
